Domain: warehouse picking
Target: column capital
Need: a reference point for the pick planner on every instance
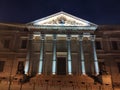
(30, 36)
(42, 36)
(80, 37)
(54, 36)
(95, 55)
(68, 36)
(69, 54)
(92, 37)
(40, 67)
(82, 55)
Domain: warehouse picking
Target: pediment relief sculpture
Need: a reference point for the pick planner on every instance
(63, 21)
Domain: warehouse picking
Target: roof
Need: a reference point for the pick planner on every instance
(62, 19)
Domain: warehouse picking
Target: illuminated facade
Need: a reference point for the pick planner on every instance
(62, 52)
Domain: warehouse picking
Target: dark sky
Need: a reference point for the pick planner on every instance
(96, 11)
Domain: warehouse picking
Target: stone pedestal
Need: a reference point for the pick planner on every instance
(106, 79)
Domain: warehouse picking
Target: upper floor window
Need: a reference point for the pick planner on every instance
(24, 44)
(114, 45)
(2, 63)
(98, 45)
(6, 43)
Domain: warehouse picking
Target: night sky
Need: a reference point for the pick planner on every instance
(96, 11)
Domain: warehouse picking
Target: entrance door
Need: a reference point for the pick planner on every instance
(61, 66)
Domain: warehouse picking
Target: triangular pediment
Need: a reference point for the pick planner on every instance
(62, 19)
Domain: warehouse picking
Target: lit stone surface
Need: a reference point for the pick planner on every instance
(82, 66)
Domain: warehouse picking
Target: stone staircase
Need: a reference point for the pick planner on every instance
(64, 81)
(61, 82)
(78, 82)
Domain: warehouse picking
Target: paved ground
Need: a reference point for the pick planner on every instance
(15, 87)
(31, 87)
(28, 86)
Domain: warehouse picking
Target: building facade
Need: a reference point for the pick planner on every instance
(60, 52)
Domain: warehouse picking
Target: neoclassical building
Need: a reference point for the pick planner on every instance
(60, 52)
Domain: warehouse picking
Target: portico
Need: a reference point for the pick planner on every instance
(66, 26)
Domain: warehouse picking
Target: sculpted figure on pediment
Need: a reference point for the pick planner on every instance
(63, 21)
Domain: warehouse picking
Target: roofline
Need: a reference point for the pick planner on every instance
(62, 12)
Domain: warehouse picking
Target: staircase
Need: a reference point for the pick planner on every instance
(75, 82)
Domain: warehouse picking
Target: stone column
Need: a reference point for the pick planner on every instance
(40, 67)
(95, 55)
(54, 55)
(27, 63)
(69, 54)
(82, 54)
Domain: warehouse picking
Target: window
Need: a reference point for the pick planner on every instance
(20, 68)
(24, 44)
(118, 66)
(114, 45)
(98, 45)
(6, 43)
(2, 63)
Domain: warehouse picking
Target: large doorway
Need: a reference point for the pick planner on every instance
(61, 66)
